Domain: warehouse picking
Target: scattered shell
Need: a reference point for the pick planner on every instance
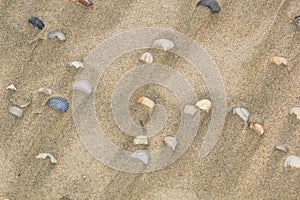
(147, 57)
(45, 91)
(279, 60)
(282, 147)
(59, 35)
(190, 109)
(87, 3)
(25, 104)
(76, 64)
(58, 103)
(16, 111)
(36, 22)
(296, 111)
(258, 128)
(171, 142)
(11, 87)
(204, 104)
(142, 155)
(45, 155)
(211, 4)
(242, 113)
(297, 18)
(146, 101)
(84, 86)
(165, 44)
(292, 161)
(141, 139)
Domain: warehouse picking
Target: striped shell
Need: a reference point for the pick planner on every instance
(190, 109)
(296, 111)
(59, 35)
(204, 104)
(146, 101)
(142, 155)
(84, 86)
(171, 142)
(147, 57)
(279, 60)
(292, 161)
(58, 103)
(16, 111)
(45, 91)
(141, 139)
(257, 128)
(242, 113)
(165, 44)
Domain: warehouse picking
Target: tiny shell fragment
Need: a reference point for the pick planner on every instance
(190, 109)
(142, 155)
(211, 4)
(296, 111)
(76, 64)
(59, 35)
(36, 22)
(16, 111)
(279, 60)
(171, 142)
(147, 57)
(297, 18)
(45, 91)
(141, 139)
(204, 104)
(11, 87)
(25, 104)
(45, 155)
(292, 161)
(58, 103)
(146, 101)
(282, 147)
(165, 44)
(84, 86)
(242, 113)
(257, 128)
(87, 3)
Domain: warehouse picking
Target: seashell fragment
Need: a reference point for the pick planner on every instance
(16, 111)
(141, 139)
(171, 142)
(45, 91)
(292, 161)
(76, 64)
(147, 57)
(279, 60)
(36, 22)
(58, 103)
(142, 155)
(297, 18)
(204, 104)
(87, 3)
(190, 109)
(45, 155)
(84, 86)
(26, 104)
(296, 111)
(211, 4)
(242, 113)
(11, 87)
(59, 35)
(257, 128)
(282, 147)
(146, 101)
(165, 44)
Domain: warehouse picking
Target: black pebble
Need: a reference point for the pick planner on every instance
(211, 4)
(36, 22)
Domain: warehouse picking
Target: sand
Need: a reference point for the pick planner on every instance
(240, 39)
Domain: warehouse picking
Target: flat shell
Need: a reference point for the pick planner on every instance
(142, 155)
(257, 128)
(84, 86)
(147, 57)
(204, 104)
(242, 113)
(141, 139)
(211, 4)
(76, 64)
(190, 109)
(292, 161)
(296, 111)
(11, 87)
(45, 155)
(165, 44)
(58, 103)
(146, 101)
(59, 35)
(279, 60)
(282, 147)
(16, 111)
(45, 91)
(171, 142)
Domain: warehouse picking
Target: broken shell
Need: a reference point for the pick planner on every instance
(211, 4)
(45, 91)
(147, 57)
(292, 161)
(282, 147)
(87, 3)
(279, 60)
(16, 111)
(26, 104)
(45, 155)
(165, 44)
(296, 111)
(146, 101)
(190, 109)
(297, 18)
(75, 64)
(11, 87)
(171, 142)
(58, 103)
(36, 22)
(142, 155)
(256, 127)
(242, 113)
(204, 104)
(59, 35)
(141, 139)
(84, 86)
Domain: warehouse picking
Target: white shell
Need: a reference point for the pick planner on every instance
(292, 161)
(75, 64)
(45, 155)
(242, 113)
(204, 104)
(141, 139)
(190, 109)
(142, 155)
(146, 101)
(84, 86)
(45, 91)
(16, 111)
(282, 147)
(279, 60)
(12, 87)
(26, 104)
(147, 57)
(296, 111)
(171, 142)
(165, 44)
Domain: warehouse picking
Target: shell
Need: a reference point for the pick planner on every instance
(297, 18)
(292, 161)
(87, 3)
(16, 111)
(45, 155)
(58, 103)
(211, 4)
(59, 35)
(76, 64)
(190, 109)
(171, 142)
(165, 44)
(242, 113)
(45, 91)
(282, 147)
(26, 104)
(204, 104)
(142, 155)
(296, 111)
(141, 139)
(146, 101)
(11, 87)
(147, 57)
(36, 22)
(257, 128)
(279, 60)
(84, 86)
